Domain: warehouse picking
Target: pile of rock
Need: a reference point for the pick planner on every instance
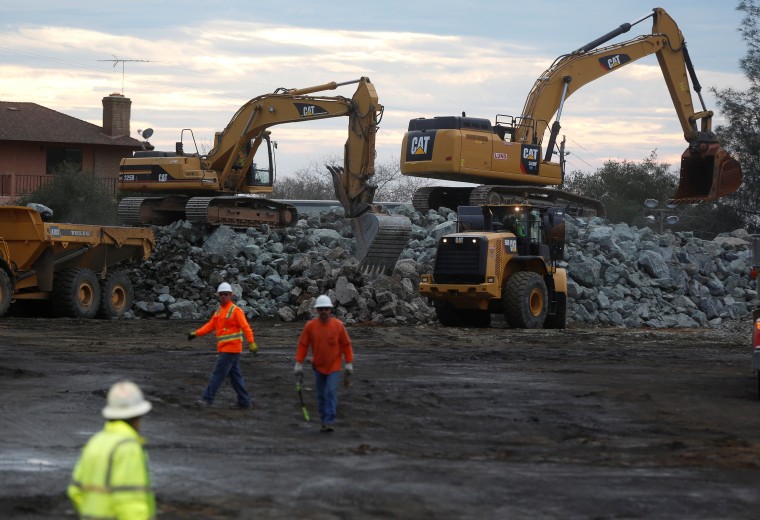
(279, 272)
(618, 275)
(629, 277)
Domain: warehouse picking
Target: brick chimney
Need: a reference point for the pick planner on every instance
(116, 113)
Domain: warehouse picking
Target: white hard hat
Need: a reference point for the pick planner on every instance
(322, 302)
(224, 287)
(125, 401)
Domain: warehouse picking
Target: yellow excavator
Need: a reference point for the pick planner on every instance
(508, 157)
(221, 187)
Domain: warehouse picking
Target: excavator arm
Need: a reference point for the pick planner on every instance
(353, 186)
(707, 171)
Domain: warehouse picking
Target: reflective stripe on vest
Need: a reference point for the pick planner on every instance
(230, 337)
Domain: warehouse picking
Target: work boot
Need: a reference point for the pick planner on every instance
(202, 403)
(238, 406)
(327, 428)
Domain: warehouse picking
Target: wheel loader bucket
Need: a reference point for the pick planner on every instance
(380, 239)
(707, 173)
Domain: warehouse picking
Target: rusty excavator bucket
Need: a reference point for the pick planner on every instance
(708, 172)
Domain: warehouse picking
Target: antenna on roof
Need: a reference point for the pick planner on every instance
(116, 60)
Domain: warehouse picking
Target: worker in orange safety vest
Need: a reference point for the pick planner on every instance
(230, 325)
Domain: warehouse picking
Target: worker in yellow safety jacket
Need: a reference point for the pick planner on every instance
(111, 479)
(231, 326)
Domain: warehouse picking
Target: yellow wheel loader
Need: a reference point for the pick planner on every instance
(503, 260)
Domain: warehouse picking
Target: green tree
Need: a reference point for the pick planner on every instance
(624, 186)
(740, 135)
(75, 197)
(314, 182)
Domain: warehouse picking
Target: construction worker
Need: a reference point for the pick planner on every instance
(111, 478)
(230, 325)
(330, 344)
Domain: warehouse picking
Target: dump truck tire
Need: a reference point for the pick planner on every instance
(525, 300)
(116, 295)
(558, 320)
(6, 292)
(76, 293)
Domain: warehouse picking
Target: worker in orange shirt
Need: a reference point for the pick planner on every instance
(330, 344)
(231, 326)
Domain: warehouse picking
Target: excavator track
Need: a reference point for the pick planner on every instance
(578, 205)
(240, 212)
(156, 211)
(236, 212)
(434, 197)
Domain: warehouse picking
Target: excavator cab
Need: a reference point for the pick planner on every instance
(707, 173)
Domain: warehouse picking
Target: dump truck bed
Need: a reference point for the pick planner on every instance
(25, 239)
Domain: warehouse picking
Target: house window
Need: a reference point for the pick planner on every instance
(57, 155)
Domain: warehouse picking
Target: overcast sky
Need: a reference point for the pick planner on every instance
(205, 59)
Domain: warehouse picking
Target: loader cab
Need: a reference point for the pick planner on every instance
(539, 230)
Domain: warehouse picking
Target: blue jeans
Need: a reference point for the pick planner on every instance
(327, 395)
(227, 364)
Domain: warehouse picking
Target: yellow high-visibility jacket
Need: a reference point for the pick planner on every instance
(111, 478)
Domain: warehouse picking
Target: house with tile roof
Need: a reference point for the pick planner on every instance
(35, 140)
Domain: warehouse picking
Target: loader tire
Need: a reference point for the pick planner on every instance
(525, 300)
(116, 295)
(558, 320)
(76, 293)
(475, 318)
(447, 314)
(6, 292)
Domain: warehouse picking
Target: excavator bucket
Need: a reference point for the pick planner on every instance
(380, 239)
(707, 173)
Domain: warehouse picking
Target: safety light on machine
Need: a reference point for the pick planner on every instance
(756, 335)
(445, 240)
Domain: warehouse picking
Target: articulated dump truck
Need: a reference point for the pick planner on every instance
(75, 266)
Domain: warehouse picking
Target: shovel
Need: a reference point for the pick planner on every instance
(299, 389)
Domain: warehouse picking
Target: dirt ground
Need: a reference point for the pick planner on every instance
(439, 423)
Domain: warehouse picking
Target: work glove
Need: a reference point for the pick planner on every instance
(347, 373)
(298, 369)
(253, 348)
(191, 335)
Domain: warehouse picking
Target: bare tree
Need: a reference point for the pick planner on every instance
(314, 182)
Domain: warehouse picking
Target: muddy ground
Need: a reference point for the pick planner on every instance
(439, 423)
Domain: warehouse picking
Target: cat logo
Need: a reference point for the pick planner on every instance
(419, 144)
(529, 159)
(612, 61)
(307, 110)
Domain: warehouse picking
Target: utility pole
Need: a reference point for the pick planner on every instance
(116, 61)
